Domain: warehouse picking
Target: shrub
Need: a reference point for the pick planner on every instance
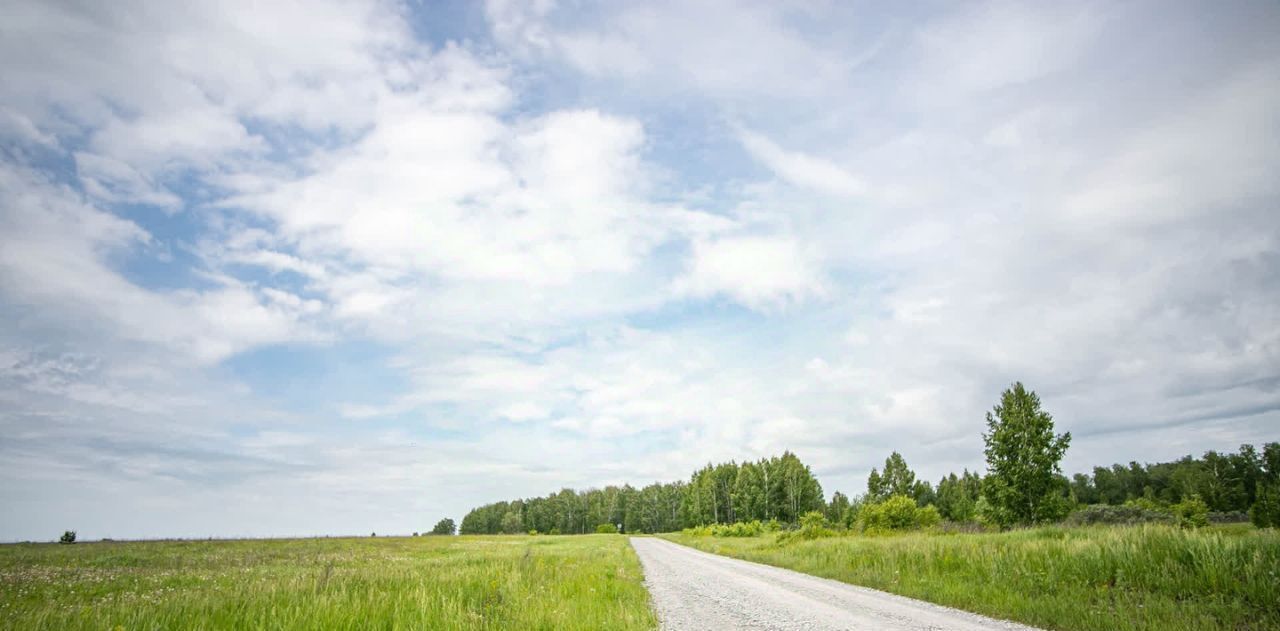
(812, 520)
(896, 513)
(415, 533)
(444, 527)
(68, 537)
(813, 525)
(1191, 512)
(1116, 515)
(740, 529)
(928, 517)
(533, 532)
(606, 529)
(1149, 504)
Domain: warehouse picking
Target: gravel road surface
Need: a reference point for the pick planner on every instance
(694, 590)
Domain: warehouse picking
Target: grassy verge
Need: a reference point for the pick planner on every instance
(1098, 578)
(581, 582)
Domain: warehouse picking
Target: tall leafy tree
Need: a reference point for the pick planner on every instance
(898, 478)
(749, 493)
(837, 508)
(876, 490)
(1023, 456)
(958, 496)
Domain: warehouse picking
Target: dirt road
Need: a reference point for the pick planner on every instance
(696, 590)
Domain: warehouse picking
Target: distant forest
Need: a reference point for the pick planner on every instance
(784, 488)
(1022, 485)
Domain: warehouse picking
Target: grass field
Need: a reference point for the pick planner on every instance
(1100, 578)
(516, 582)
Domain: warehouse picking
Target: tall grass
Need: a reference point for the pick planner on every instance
(583, 582)
(1098, 578)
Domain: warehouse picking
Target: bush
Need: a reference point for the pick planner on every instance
(740, 529)
(606, 529)
(1147, 503)
(444, 527)
(813, 525)
(1127, 515)
(533, 532)
(896, 513)
(1191, 512)
(68, 537)
(928, 517)
(812, 520)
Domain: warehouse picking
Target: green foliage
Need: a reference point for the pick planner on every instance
(1225, 482)
(1022, 460)
(68, 536)
(1191, 513)
(1146, 578)
(511, 523)
(898, 478)
(957, 497)
(780, 488)
(813, 525)
(812, 520)
(572, 583)
(837, 508)
(898, 512)
(876, 490)
(927, 517)
(741, 529)
(606, 529)
(1265, 513)
(444, 527)
(1147, 502)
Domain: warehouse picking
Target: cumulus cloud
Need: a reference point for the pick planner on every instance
(759, 272)
(296, 256)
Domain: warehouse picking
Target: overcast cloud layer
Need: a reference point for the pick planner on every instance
(348, 266)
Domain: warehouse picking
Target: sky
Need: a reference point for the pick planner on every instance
(342, 266)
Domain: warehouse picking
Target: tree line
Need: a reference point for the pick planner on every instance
(780, 488)
(1022, 484)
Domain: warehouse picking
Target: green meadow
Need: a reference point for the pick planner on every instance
(1084, 578)
(468, 582)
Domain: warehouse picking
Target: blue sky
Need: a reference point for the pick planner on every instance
(340, 267)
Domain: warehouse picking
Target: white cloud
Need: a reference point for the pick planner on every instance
(751, 52)
(57, 253)
(803, 170)
(760, 272)
(539, 229)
